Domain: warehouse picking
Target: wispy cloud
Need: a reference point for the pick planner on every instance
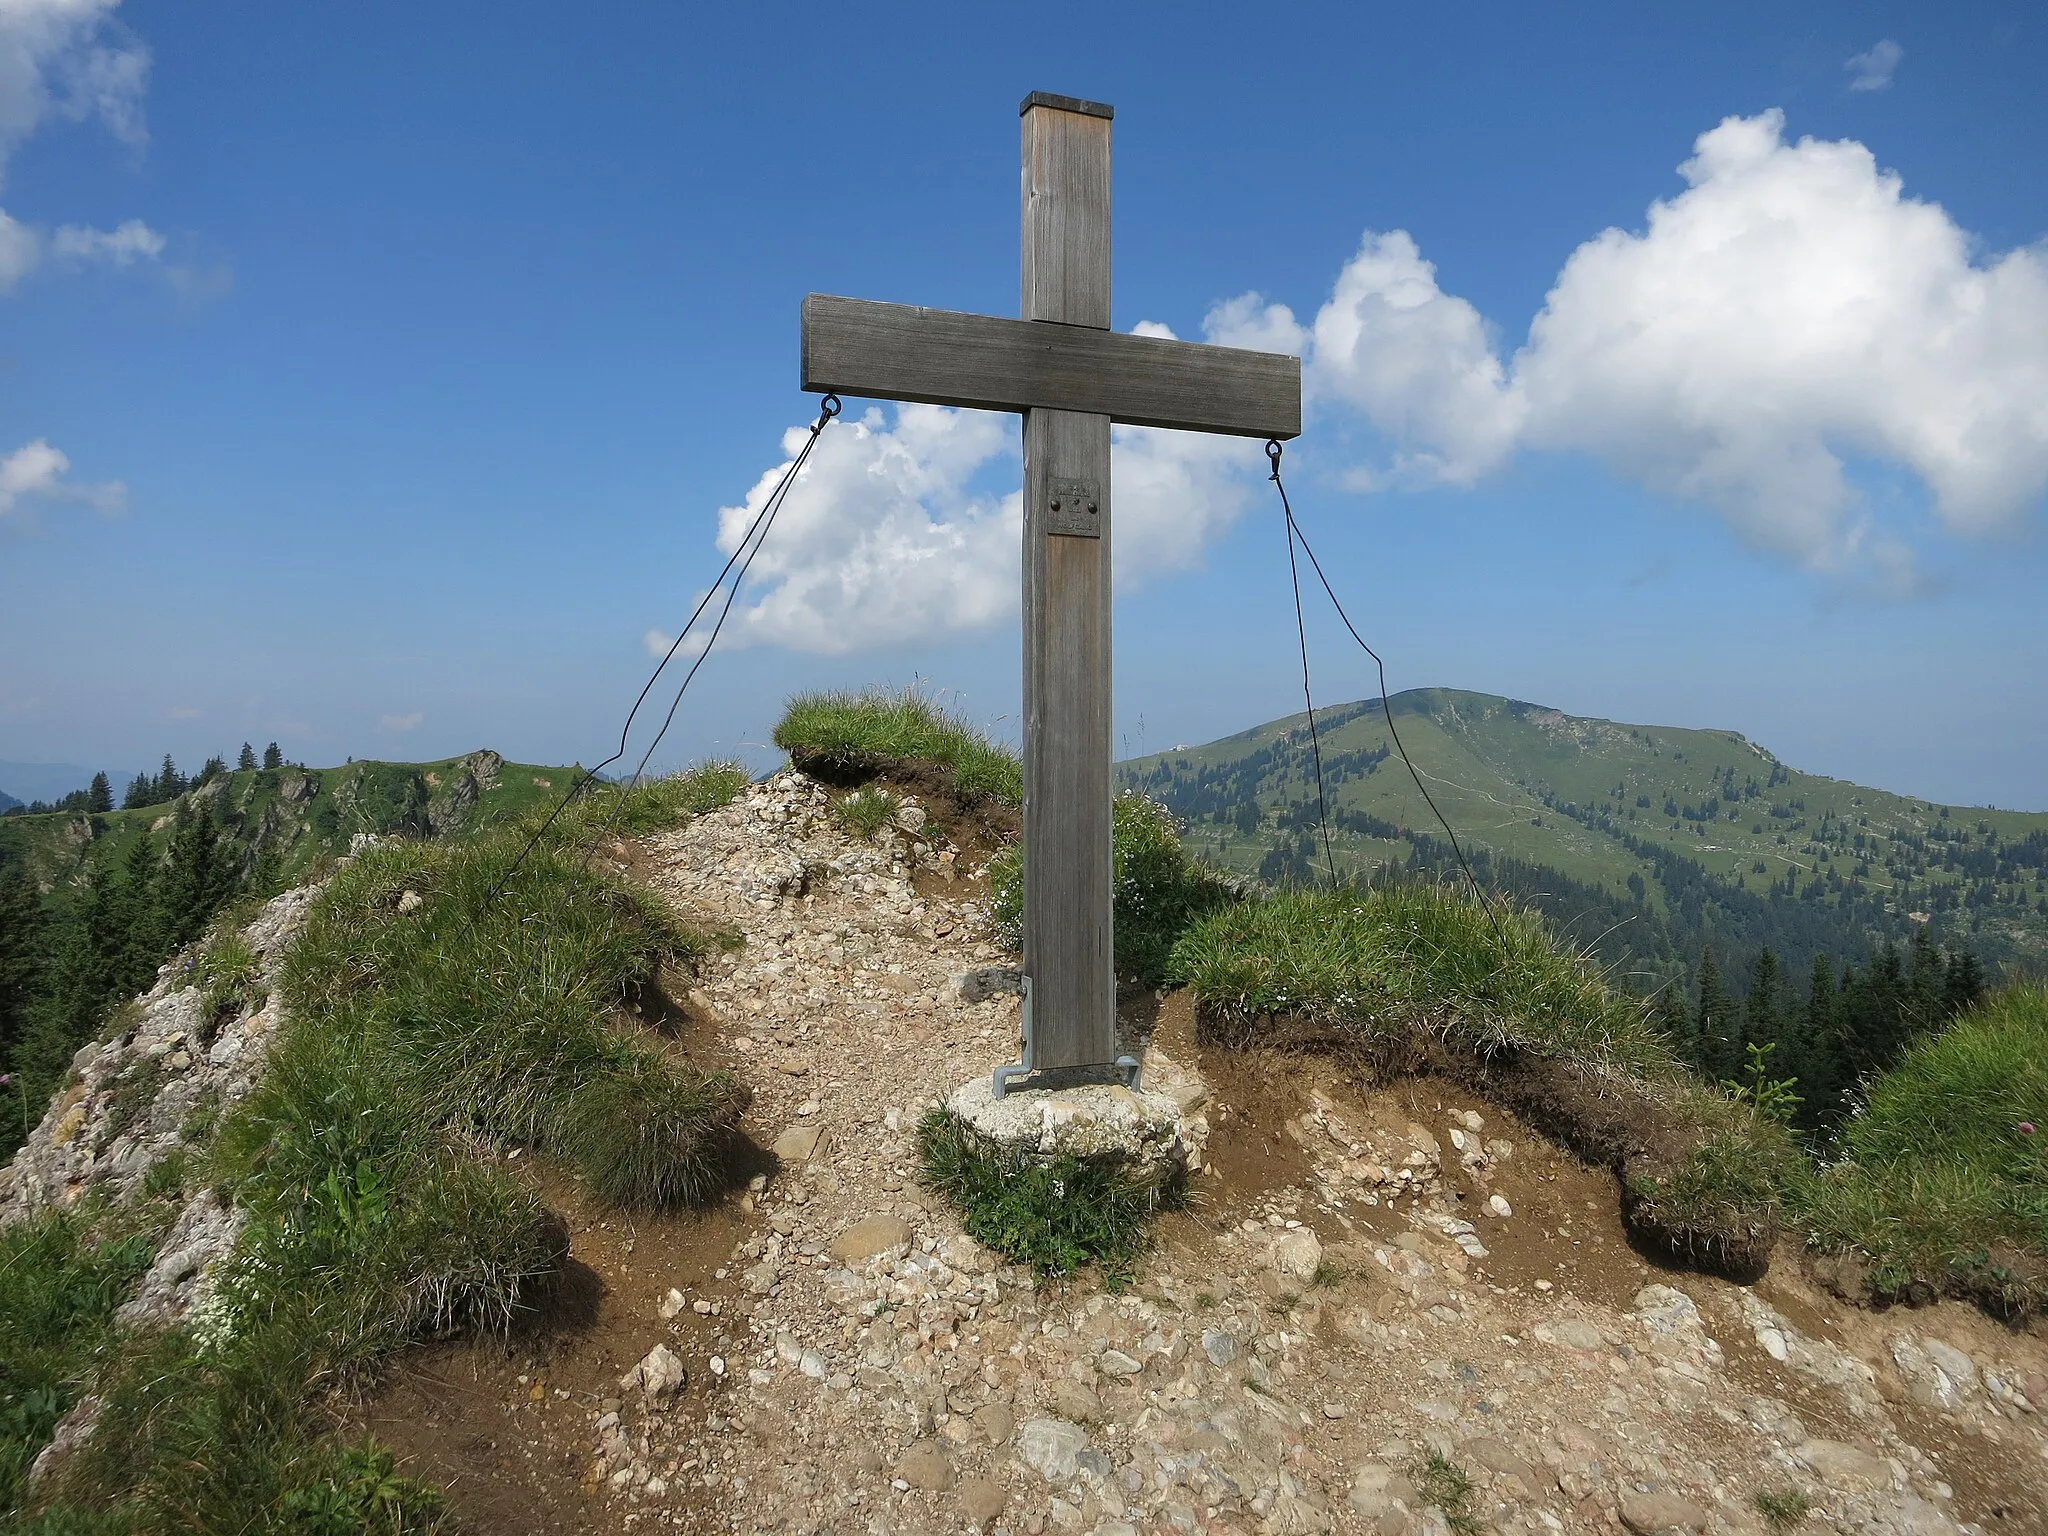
(657, 642)
(36, 470)
(69, 60)
(400, 723)
(1872, 71)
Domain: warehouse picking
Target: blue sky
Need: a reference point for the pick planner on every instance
(400, 359)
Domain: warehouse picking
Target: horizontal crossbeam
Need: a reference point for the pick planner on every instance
(941, 357)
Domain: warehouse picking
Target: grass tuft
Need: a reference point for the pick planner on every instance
(1782, 1508)
(1384, 964)
(866, 811)
(856, 735)
(417, 1046)
(650, 1134)
(634, 810)
(59, 1286)
(365, 1495)
(1442, 1483)
(1056, 1215)
(1159, 889)
(1416, 974)
(1942, 1186)
(229, 973)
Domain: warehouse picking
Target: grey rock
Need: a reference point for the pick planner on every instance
(925, 1466)
(1843, 1466)
(658, 1377)
(1571, 1333)
(1219, 1346)
(1050, 1448)
(978, 986)
(1661, 1514)
(870, 1236)
(1297, 1255)
(798, 1143)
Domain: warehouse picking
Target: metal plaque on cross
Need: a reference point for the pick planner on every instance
(1071, 376)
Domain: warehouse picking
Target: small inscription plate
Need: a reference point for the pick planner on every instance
(1076, 509)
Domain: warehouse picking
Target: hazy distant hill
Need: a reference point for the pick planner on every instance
(1650, 841)
(23, 783)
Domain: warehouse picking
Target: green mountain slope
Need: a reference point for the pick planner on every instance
(1649, 842)
(283, 819)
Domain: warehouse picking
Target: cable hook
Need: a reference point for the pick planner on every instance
(1273, 452)
(828, 408)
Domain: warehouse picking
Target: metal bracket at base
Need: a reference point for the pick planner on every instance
(999, 1083)
(1003, 1076)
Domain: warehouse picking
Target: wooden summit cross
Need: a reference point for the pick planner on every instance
(1071, 376)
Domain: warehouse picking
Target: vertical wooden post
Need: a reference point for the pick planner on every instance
(1067, 862)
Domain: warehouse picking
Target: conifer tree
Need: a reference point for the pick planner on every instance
(272, 758)
(1962, 983)
(169, 785)
(99, 797)
(1763, 1020)
(197, 877)
(1720, 1048)
(141, 792)
(1675, 1018)
(1926, 987)
(246, 763)
(23, 933)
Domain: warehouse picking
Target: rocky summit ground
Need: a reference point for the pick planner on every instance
(1366, 1275)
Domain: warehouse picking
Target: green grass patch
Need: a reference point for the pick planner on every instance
(1056, 1215)
(633, 810)
(1442, 1483)
(1159, 890)
(1943, 1179)
(858, 734)
(1420, 975)
(866, 811)
(228, 971)
(1381, 965)
(59, 1286)
(418, 1046)
(1782, 1508)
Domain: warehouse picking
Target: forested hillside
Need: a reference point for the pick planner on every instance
(94, 899)
(1696, 864)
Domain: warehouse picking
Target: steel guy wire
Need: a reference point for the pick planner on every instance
(1308, 698)
(1273, 451)
(757, 532)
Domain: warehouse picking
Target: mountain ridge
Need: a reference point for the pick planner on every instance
(1703, 830)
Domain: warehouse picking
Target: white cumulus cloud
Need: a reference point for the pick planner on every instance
(1873, 71)
(880, 541)
(1790, 309)
(69, 60)
(37, 470)
(885, 538)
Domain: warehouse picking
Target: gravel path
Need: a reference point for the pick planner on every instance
(1421, 1274)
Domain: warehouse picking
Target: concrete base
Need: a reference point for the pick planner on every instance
(1094, 1120)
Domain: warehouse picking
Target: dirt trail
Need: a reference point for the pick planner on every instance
(1365, 1274)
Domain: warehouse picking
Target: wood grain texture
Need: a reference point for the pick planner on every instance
(1066, 216)
(943, 357)
(1069, 952)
